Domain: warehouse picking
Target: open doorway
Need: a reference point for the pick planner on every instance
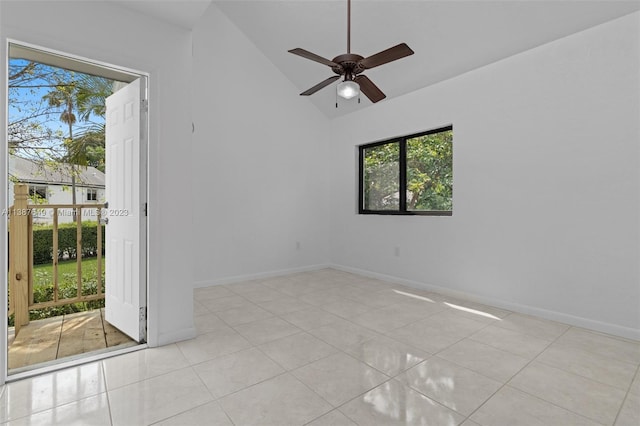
(76, 208)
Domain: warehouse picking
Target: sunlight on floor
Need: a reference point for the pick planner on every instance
(472, 311)
(414, 296)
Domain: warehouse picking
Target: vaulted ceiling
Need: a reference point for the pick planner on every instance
(449, 37)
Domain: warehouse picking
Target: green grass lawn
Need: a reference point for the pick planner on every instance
(44, 273)
(67, 287)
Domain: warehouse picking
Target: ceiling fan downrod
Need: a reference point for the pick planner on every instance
(348, 26)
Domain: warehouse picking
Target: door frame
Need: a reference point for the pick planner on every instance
(144, 197)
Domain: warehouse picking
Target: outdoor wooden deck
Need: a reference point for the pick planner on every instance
(47, 340)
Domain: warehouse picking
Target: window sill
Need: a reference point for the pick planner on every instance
(407, 213)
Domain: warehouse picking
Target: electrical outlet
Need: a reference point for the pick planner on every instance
(396, 251)
(298, 245)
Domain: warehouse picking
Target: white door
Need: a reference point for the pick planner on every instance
(125, 281)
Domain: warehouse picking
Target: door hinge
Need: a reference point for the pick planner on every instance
(144, 105)
(145, 209)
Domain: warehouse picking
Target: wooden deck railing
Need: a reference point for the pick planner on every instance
(21, 294)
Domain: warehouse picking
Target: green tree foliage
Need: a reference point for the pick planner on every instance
(382, 177)
(430, 172)
(91, 98)
(90, 147)
(429, 160)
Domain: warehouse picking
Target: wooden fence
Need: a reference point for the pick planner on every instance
(21, 298)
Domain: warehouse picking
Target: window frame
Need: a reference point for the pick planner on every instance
(93, 192)
(35, 188)
(402, 208)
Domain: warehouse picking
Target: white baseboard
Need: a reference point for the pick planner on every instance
(258, 276)
(174, 336)
(614, 329)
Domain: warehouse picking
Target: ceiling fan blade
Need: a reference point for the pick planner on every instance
(370, 90)
(308, 55)
(391, 54)
(320, 85)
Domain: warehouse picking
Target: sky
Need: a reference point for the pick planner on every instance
(24, 100)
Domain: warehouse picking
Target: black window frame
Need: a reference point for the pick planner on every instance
(36, 192)
(92, 194)
(402, 208)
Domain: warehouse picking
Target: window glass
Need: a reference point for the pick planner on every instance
(382, 177)
(430, 172)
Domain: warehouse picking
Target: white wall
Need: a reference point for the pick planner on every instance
(546, 183)
(105, 32)
(259, 162)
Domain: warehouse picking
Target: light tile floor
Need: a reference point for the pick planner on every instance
(331, 348)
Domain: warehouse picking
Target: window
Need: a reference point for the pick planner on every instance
(92, 195)
(411, 175)
(38, 193)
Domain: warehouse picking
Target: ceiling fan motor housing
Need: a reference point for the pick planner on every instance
(348, 64)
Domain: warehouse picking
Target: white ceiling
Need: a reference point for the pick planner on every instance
(183, 13)
(449, 37)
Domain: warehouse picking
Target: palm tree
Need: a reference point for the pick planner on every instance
(64, 95)
(85, 96)
(89, 147)
(92, 94)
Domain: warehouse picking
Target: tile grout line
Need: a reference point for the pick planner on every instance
(626, 396)
(585, 377)
(256, 346)
(506, 383)
(569, 372)
(106, 392)
(461, 366)
(148, 378)
(213, 399)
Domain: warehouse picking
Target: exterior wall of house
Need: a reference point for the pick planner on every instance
(61, 194)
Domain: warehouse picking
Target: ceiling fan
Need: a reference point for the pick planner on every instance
(351, 65)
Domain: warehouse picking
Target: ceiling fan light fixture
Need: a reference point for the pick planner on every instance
(348, 89)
